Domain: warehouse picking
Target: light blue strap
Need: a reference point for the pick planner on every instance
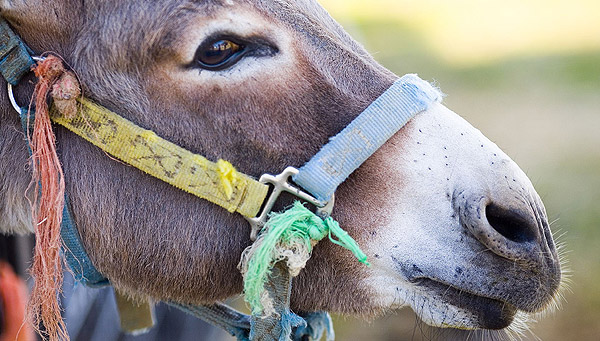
(346, 151)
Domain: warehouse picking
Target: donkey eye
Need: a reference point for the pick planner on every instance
(218, 54)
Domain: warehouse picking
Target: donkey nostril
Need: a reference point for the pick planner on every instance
(511, 224)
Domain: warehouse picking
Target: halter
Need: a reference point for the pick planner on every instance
(219, 183)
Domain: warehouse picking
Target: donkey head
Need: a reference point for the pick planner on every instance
(451, 225)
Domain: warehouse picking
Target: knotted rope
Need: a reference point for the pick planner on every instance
(48, 195)
(288, 236)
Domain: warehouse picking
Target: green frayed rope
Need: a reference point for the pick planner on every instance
(294, 229)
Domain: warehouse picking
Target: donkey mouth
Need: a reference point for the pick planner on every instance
(490, 313)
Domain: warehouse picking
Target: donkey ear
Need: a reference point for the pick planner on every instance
(44, 25)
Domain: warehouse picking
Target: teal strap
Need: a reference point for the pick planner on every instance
(238, 324)
(231, 320)
(277, 326)
(78, 260)
(345, 152)
(15, 59)
(317, 323)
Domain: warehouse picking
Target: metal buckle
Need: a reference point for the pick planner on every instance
(281, 184)
(11, 94)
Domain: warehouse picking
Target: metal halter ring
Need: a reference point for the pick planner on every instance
(281, 184)
(11, 94)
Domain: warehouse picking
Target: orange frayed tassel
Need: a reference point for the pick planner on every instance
(49, 184)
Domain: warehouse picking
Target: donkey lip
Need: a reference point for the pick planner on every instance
(491, 313)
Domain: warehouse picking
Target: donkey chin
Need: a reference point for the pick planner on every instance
(465, 241)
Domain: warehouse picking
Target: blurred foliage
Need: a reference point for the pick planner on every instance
(535, 92)
(466, 32)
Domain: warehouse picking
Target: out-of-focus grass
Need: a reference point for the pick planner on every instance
(536, 93)
(464, 32)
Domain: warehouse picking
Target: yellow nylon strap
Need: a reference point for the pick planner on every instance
(218, 182)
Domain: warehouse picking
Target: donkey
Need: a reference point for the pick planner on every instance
(451, 225)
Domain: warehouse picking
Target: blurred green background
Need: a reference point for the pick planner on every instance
(527, 74)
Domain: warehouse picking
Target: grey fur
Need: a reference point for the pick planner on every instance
(150, 238)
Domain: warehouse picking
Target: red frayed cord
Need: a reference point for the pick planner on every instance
(49, 193)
